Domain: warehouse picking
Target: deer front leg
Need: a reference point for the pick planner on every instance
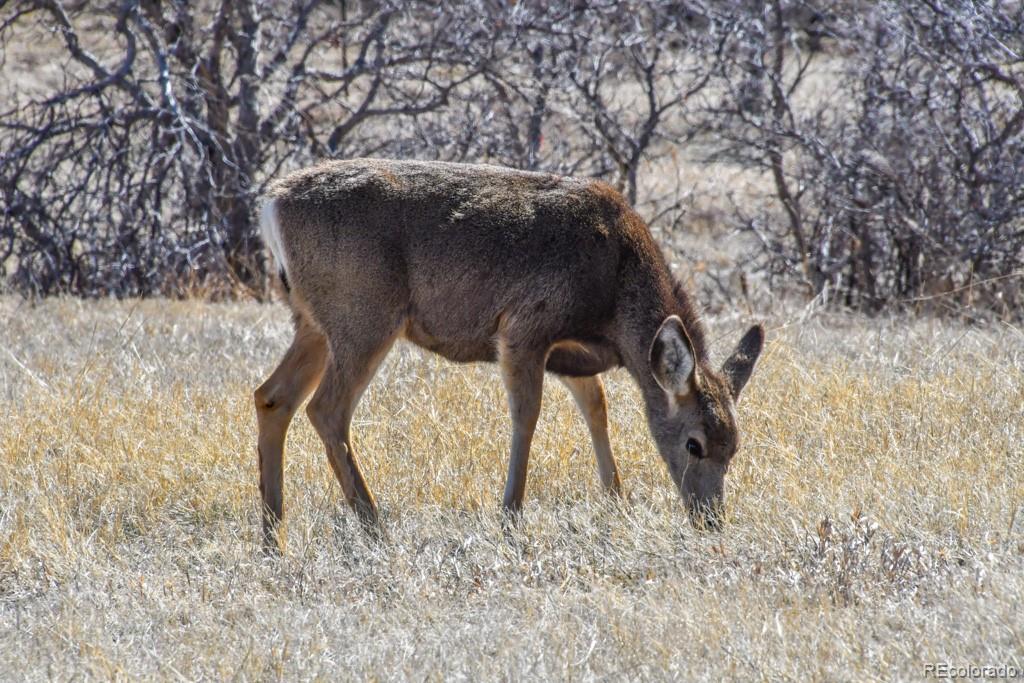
(523, 374)
(589, 395)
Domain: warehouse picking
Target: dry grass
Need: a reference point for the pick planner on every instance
(874, 522)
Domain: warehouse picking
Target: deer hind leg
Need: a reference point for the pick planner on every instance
(354, 357)
(589, 395)
(523, 373)
(277, 399)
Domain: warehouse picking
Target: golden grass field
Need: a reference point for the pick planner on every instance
(874, 513)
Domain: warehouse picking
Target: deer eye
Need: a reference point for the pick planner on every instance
(694, 448)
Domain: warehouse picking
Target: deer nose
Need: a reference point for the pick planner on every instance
(707, 514)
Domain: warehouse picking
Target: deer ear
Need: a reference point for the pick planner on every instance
(740, 364)
(671, 358)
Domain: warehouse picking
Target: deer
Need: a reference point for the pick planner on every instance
(536, 272)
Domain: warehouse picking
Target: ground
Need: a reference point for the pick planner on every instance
(874, 513)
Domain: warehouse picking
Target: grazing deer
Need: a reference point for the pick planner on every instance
(480, 263)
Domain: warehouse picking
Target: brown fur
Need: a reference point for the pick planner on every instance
(478, 263)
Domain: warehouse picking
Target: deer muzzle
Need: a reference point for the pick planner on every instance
(703, 490)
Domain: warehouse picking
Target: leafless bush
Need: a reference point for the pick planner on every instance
(138, 172)
(890, 133)
(905, 181)
(594, 88)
